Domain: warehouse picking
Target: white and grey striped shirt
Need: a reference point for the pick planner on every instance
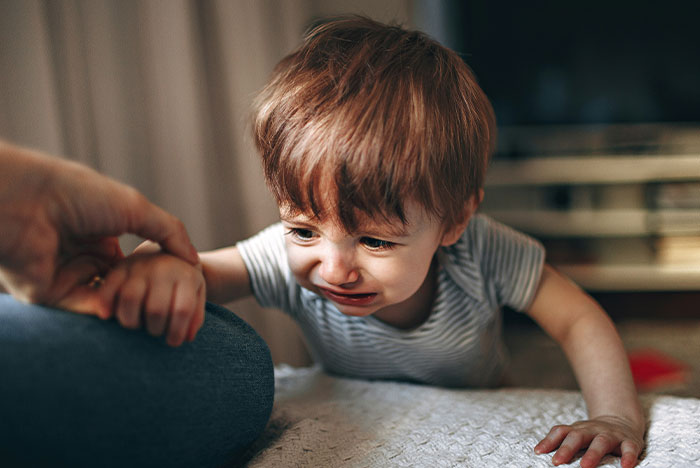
(460, 343)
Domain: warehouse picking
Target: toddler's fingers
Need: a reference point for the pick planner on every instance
(198, 319)
(182, 310)
(552, 440)
(599, 447)
(573, 442)
(630, 454)
(130, 302)
(156, 308)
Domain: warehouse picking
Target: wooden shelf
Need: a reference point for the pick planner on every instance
(594, 170)
(613, 228)
(635, 277)
(601, 223)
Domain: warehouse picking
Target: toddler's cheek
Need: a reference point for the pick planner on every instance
(301, 276)
(301, 265)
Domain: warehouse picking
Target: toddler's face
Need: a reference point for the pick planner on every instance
(378, 270)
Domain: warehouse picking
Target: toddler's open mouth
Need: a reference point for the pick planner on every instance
(349, 299)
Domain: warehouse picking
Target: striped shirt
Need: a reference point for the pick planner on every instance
(460, 343)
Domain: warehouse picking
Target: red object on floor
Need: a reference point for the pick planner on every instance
(652, 369)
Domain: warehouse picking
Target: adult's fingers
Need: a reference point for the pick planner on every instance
(71, 288)
(152, 222)
(94, 296)
(85, 299)
(86, 203)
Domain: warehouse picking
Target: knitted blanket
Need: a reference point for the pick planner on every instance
(324, 421)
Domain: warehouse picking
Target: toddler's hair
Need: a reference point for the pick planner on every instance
(365, 117)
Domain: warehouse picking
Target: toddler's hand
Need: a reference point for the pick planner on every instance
(152, 289)
(602, 435)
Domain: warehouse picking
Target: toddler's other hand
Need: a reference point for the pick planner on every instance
(601, 435)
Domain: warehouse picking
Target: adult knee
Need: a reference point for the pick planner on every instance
(79, 391)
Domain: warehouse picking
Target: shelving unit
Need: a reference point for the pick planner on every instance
(612, 222)
(602, 223)
(607, 169)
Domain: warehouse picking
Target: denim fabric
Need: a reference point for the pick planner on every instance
(79, 391)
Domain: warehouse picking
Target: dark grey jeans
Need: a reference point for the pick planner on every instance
(79, 391)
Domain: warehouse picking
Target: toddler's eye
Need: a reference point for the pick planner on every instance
(301, 234)
(376, 244)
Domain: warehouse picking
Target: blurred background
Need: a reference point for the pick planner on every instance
(598, 105)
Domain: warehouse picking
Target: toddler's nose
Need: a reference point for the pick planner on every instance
(337, 268)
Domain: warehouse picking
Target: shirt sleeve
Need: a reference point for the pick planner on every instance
(510, 260)
(265, 258)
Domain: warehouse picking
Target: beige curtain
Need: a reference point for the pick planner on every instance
(156, 93)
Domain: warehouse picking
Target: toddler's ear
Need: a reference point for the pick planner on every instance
(453, 234)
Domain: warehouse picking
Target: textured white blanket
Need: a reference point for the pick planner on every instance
(324, 421)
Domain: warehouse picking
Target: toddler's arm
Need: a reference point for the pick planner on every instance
(595, 351)
(226, 275)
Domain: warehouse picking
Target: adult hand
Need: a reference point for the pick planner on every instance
(60, 222)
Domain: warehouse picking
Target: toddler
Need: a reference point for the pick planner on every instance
(375, 142)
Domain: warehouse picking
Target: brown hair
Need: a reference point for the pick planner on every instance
(367, 116)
